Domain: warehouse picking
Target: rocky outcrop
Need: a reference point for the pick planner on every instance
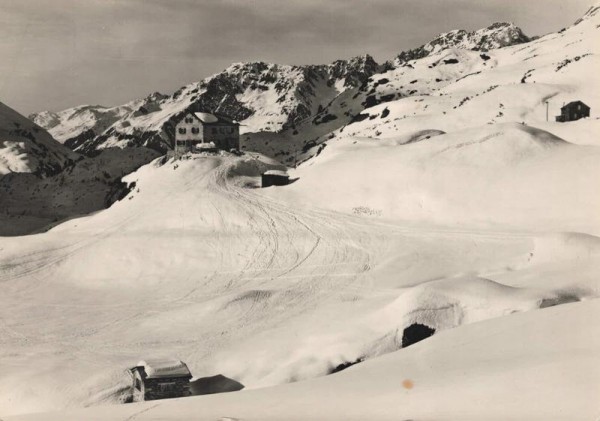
(497, 35)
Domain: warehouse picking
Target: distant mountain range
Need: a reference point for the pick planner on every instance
(269, 99)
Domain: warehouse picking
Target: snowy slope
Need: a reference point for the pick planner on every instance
(510, 84)
(556, 379)
(515, 174)
(25, 147)
(194, 264)
(441, 209)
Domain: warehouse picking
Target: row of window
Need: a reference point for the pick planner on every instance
(184, 142)
(183, 130)
(215, 130)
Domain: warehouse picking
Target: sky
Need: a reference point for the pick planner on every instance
(56, 54)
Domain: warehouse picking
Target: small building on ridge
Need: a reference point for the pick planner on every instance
(573, 111)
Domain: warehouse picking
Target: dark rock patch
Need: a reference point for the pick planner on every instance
(345, 365)
(560, 299)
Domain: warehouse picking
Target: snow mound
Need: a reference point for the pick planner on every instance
(502, 144)
(253, 166)
(509, 175)
(451, 302)
(567, 246)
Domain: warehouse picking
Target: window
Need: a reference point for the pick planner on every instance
(189, 120)
(579, 107)
(195, 130)
(166, 387)
(182, 130)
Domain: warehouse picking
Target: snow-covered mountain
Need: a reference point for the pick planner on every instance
(438, 194)
(265, 98)
(497, 35)
(88, 121)
(25, 147)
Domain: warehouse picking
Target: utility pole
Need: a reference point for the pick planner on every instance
(547, 105)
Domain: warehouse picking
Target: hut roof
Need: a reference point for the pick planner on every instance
(277, 173)
(573, 103)
(165, 367)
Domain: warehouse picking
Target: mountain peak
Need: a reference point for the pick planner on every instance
(497, 25)
(496, 35)
(591, 12)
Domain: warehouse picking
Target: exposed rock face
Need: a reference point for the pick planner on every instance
(497, 35)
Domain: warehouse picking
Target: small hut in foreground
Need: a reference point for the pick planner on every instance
(160, 379)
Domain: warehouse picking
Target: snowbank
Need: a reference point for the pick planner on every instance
(507, 175)
(554, 365)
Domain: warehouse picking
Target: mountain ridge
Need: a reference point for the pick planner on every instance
(26, 147)
(265, 97)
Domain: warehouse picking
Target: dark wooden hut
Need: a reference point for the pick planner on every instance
(275, 178)
(573, 111)
(160, 379)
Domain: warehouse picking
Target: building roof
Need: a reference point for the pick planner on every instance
(211, 118)
(572, 103)
(207, 117)
(277, 173)
(164, 367)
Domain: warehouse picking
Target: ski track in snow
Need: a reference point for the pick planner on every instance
(300, 252)
(300, 259)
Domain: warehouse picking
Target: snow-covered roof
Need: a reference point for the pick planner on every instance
(164, 367)
(207, 117)
(276, 172)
